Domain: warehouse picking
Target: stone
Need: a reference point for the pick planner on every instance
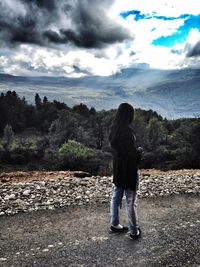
(26, 192)
(6, 197)
(3, 259)
(12, 196)
(38, 195)
(20, 202)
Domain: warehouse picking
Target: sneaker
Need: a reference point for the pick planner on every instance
(135, 236)
(114, 229)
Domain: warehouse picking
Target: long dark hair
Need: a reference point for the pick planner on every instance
(124, 117)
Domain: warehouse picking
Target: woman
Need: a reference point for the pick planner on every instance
(125, 169)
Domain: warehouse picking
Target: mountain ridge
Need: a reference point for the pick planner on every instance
(172, 93)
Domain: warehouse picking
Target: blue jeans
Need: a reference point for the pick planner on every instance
(130, 207)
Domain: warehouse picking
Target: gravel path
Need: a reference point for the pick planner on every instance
(78, 236)
(70, 227)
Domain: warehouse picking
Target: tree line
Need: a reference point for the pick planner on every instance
(52, 136)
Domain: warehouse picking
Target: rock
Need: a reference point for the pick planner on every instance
(26, 192)
(4, 179)
(3, 259)
(37, 195)
(6, 197)
(20, 202)
(12, 196)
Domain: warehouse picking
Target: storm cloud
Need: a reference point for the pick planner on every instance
(194, 51)
(83, 23)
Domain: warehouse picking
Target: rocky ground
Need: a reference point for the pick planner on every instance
(21, 191)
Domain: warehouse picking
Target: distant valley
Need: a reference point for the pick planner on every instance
(172, 93)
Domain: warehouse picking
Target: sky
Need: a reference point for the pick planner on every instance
(74, 38)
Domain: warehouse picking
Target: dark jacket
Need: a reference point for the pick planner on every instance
(125, 159)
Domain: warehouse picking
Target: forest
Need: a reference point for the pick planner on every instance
(52, 136)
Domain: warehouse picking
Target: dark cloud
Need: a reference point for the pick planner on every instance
(83, 23)
(176, 51)
(194, 51)
(132, 53)
(46, 4)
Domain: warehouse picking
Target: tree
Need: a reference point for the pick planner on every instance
(45, 100)
(12, 108)
(63, 128)
(59, 105)
(140, 128)
(81, 109)
(102, 123)
(156, 133)
(38, 101)
(8, 135)
(92, 111)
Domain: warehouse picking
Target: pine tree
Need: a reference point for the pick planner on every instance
(38, 101)
(45, 100)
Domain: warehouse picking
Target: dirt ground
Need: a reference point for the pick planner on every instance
(20, 176)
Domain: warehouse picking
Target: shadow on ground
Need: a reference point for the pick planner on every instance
(79, 236)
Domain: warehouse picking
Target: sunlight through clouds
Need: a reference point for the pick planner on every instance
(75, 38)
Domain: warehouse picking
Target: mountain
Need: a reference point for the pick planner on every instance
(172, 93)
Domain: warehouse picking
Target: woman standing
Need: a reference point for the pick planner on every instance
(125, 169)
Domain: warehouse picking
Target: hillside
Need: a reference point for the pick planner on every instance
(172, 93)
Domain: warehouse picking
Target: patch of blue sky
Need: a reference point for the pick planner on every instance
(180, 36)
(138, 15)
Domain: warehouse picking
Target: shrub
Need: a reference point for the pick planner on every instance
(75, 150)
(75, 156)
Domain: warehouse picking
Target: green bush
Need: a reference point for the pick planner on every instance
(76, 156)
(75, 151)
(73, 155)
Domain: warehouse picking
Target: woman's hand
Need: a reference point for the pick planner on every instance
(140, 153)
